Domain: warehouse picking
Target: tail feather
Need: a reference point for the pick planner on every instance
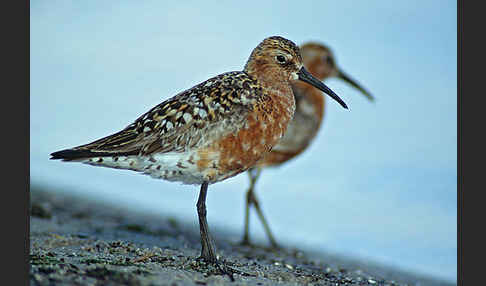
(76, 154)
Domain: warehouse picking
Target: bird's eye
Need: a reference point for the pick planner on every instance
(281, 59)
(329, 60)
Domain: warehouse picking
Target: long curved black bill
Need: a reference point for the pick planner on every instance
(352, 82)
(305, 76)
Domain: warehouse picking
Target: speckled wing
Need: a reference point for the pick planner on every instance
(188, 120)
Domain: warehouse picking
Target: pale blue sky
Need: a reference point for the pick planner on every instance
(379, 181)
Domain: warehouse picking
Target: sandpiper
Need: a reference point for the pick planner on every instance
(212, 131)
(303, 128)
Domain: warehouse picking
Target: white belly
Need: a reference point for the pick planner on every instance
(181, 167)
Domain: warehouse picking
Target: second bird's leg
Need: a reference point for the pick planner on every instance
(254, 174)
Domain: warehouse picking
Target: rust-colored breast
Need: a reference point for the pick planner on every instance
(241, 150)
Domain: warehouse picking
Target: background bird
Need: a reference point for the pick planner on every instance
(93, 71)
(212, 131)
(309, 112)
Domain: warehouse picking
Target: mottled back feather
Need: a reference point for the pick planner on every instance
(183, 121)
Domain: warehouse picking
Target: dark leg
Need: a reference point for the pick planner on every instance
(207, 251)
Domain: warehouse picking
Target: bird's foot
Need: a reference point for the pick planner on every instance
(216, 267)
(245, 242)
(273, 245)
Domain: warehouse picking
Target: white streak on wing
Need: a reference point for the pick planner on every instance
(202, 113)
(187, 117)
(169, 125)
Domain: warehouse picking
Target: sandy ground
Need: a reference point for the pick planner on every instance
(74, 241)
